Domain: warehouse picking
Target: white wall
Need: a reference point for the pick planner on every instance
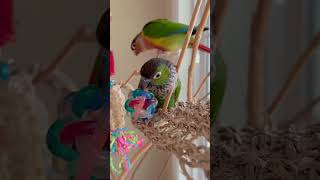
(45, 26)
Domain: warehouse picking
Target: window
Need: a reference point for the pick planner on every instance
(182, 11)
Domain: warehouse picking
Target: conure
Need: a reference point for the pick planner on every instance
(165, 36)
(159, 76)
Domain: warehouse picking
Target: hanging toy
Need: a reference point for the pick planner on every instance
(72, 136)
(141, 104)
(123, 141)
(81, 135)
(4, 71)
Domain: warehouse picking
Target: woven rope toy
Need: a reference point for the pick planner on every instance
(176, 130)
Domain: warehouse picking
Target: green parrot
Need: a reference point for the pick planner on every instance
(159, 76)
(163, 35)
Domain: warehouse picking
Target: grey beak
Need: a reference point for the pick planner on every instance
(145, 83)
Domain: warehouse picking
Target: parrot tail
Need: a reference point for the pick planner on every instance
(204, 48)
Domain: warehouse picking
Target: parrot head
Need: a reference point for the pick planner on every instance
(157, 72)
(139, 44)
(103, 30)
(136, 45)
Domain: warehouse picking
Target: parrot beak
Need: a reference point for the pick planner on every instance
(136, 52)
(145, 84)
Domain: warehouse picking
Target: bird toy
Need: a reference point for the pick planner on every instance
(141, 104)
(122, 142)
(71, 137)
(4, 71)
(80, 136)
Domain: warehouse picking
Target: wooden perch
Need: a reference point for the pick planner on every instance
(204, 19)
(255, 93)
(219, 14)
(135, 72)
(139, 164)
(82, 35)
(201, 86)
(204, 97)
(164, 167)
(136, 157)
(185, 46)
(302, 60)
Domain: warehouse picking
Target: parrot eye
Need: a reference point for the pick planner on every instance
(157, 75)
(133, 46)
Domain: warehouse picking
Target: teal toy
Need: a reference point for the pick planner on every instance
(4, 71)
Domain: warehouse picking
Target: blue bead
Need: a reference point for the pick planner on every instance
(88, 98)
(4, 71)
(112, 83)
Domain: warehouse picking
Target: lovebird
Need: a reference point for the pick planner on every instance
(165, 36)
(159, 76)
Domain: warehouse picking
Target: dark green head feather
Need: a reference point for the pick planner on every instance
(158, 70)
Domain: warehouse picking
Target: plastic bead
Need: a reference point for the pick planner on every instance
(88, 98)
(4, 71)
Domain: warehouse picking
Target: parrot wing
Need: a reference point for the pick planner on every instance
(218, 85)
(163, 28)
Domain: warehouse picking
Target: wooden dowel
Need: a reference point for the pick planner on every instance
(189, 34)
(201, 85)
(136, 157)
(139, 164)
(113, 177)
(255, 90)
(219, 14)
(301, 115)
(164, 167)
(302, 60)
(195, 49)
(185, 46)
(204, 97)
(60, 58)
(135, 72)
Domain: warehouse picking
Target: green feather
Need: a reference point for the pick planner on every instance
(218, 86)
(163, 28)
(165, 75)
(177, 91)
(174, 98)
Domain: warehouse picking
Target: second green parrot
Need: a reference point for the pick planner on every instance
(163, 35)
(159, 76)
